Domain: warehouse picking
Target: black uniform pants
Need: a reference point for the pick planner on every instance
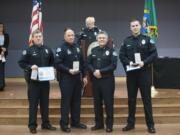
(2, 76)
(103, 90)
(38, 92)
(70, 87)
(139, 79)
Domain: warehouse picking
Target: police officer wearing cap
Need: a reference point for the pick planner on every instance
(70, 65)
(102, 62)
(138, 52)
(37, 55)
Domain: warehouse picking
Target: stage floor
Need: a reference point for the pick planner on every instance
(162, 129)
(16, 89)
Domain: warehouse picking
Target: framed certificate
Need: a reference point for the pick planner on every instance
(46, 73)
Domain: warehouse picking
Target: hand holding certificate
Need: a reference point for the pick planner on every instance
(76, 65)
(137, 57)
(137, 65)
(75, 69)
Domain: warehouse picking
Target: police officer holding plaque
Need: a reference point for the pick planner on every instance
(136, 54)
(70, 65)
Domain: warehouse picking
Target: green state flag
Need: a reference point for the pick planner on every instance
(149, 26)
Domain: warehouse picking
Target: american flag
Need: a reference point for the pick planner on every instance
(36, 19)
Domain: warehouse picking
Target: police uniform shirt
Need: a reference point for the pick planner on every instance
(66, 55)
(89, 35)
(104, 59)
(41, 56)
(141, 44)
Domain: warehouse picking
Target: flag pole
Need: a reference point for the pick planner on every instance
(153, 89)
(150, 29)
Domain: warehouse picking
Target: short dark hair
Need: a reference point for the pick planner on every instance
(3, 27)
(134, 20)
(102, 32)
(66, 29)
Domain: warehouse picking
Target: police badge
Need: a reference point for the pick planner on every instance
(143, 42)
(24, 52)
(107, 53)
(46, 50)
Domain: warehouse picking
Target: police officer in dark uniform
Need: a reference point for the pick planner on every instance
(37, 55)
(69, 63)
(85, 38)
(138, 51)
(102, 62)
(4, 43)
(90, 32)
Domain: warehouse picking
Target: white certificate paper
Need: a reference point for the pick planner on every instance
(1, 40)
(46, 73)
(76, 65)
(34, 74)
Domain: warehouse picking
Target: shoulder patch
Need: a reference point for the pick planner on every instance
(152, 41)
(58, 50)
(46, 50)
(114, 53)
(24, 52)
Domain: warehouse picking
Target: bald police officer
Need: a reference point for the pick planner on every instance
(90, 32)
(70, 65)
